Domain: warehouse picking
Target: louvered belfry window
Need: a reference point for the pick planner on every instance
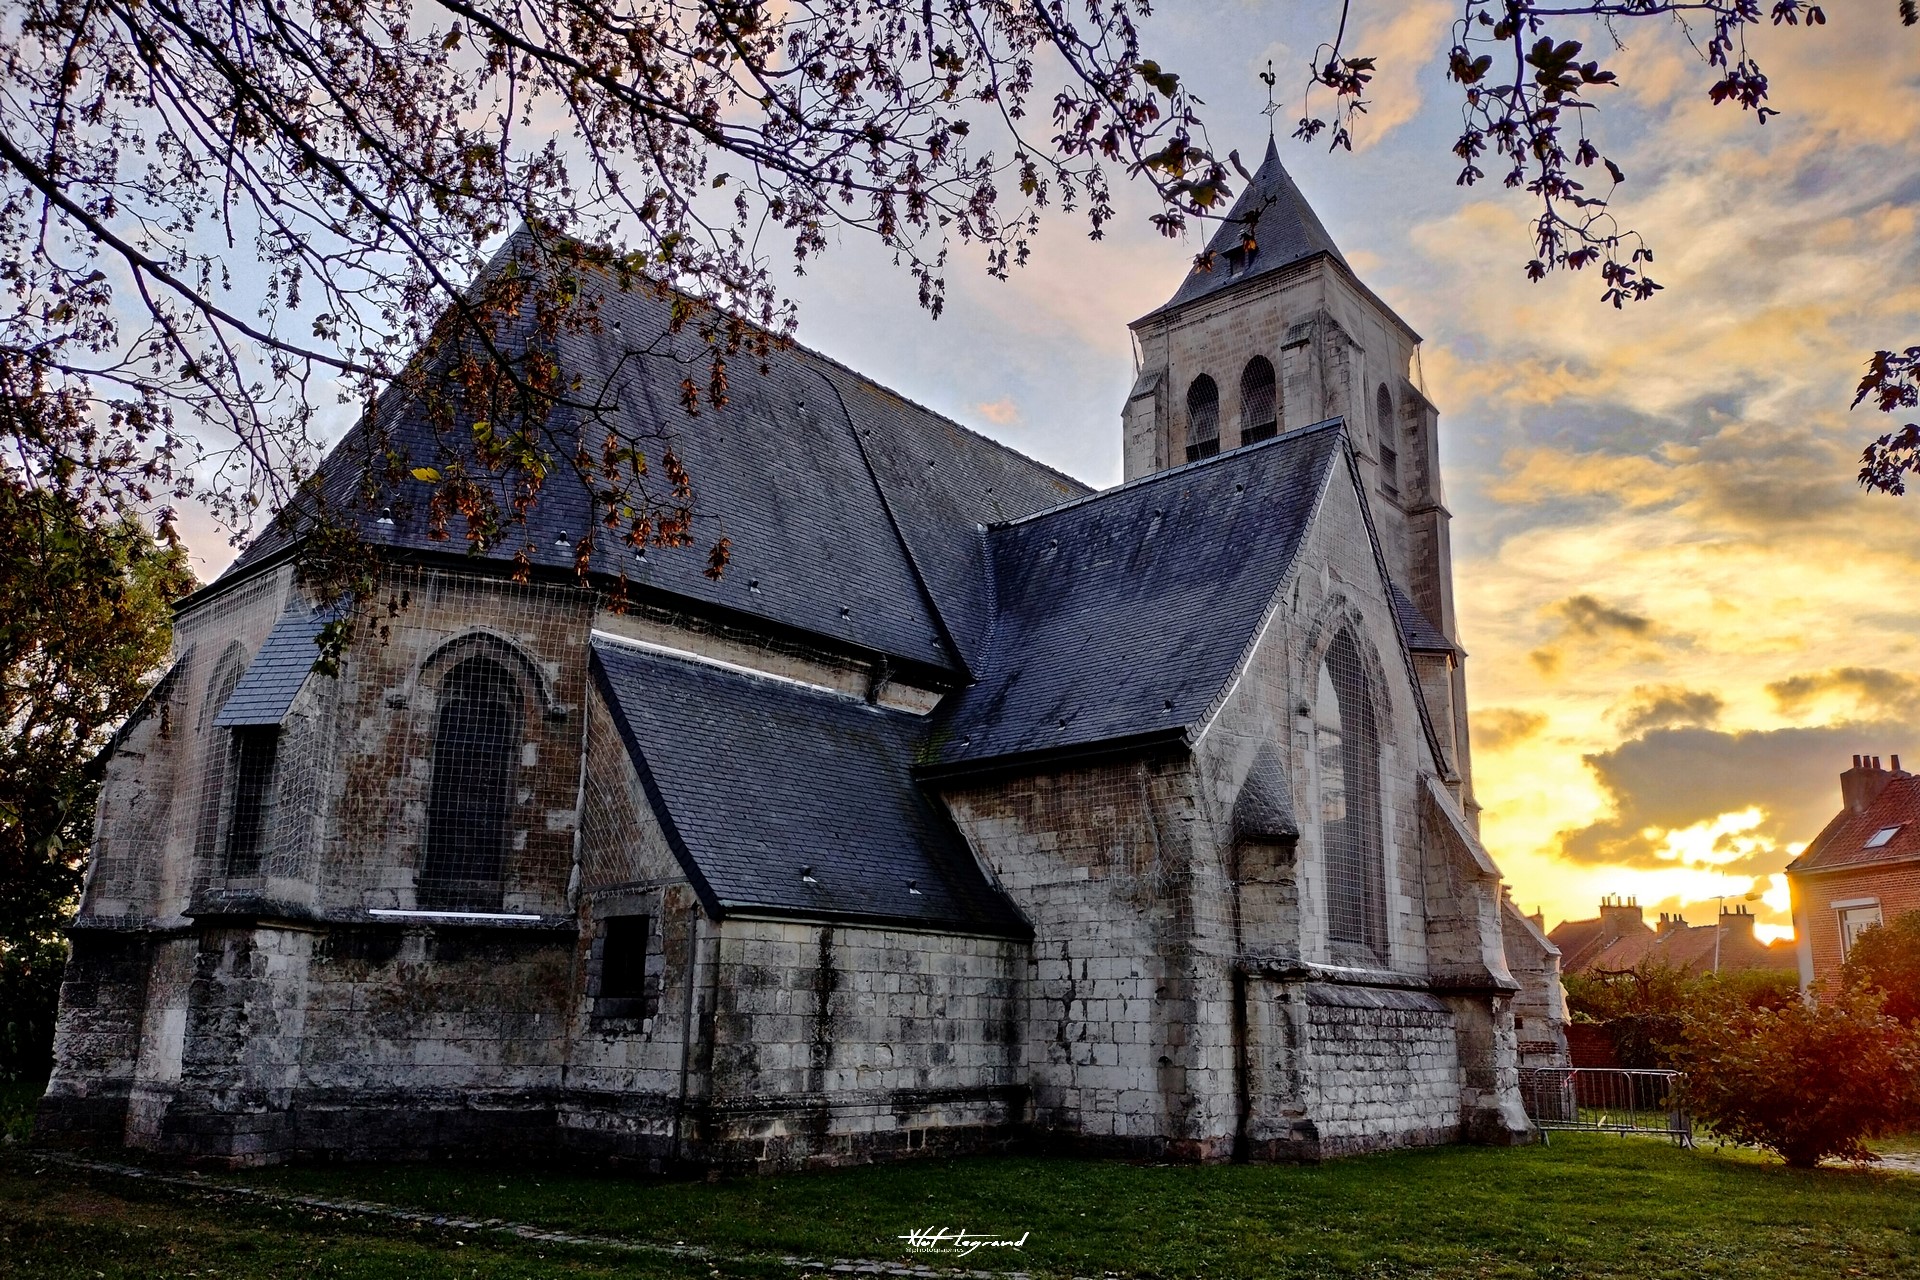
(1259, 405)
(474, 745)
(1348, 745)
(1203, 419)
(1389, 440)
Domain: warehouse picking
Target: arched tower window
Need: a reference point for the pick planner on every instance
(216, 752)
(1348, 743)
(464, 860)
(1259, 405)
(1203, 418)
(1389, 440)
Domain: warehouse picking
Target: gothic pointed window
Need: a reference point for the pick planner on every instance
(216, 753)
(1259, 405)
(1389, 440)
(476, 737)
(1347, 745)
(1203, 419)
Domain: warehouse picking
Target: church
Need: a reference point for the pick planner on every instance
(970, 809)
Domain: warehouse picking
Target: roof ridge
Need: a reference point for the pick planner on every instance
(1154, 477)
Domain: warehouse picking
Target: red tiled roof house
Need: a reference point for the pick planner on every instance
(1861, 870)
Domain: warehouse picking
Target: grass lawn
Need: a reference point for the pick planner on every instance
(1588, 1206)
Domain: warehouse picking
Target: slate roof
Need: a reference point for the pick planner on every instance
(1415, 627)
(818, 477)
(759, 782)
(1284, 227)
(275, 676)
(1842, 843)
(1123, 616)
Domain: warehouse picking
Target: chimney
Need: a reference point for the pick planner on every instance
(1670, 923)
(1738, 923)
(1861, 785)
(1618, 915)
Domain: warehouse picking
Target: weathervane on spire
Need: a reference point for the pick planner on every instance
(1272, 108)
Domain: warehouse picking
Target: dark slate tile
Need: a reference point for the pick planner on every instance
(762, 782)
(275, 676)
(1125, 614)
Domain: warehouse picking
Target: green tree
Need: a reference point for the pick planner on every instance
(1807, 1081)
(85, 626)
(1886, 959)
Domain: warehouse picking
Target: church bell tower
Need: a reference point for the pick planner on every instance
(1272, 331)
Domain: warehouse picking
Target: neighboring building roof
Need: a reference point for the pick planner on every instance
(1283, 225)
(1587, 946)
(1124, 615)
(1843, 842)
(761, 783)
(1416, 628)
(832, 525)
(278, 672)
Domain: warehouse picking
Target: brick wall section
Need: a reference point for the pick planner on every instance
(1896, 885)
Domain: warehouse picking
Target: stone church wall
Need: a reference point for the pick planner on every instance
(1129, 1020)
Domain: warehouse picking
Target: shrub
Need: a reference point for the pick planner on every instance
(1647, 1010)
(1886, 958)
(1805, 1081)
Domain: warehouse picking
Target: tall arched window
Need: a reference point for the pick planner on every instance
(1347, 741)
(1389, 439)
(216, 752)
(1203, 418)
(1259, 405)
(464, 860)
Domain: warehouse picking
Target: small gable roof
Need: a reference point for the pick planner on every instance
(785, 798)
(1283, 225)
(278, 672)
(1842, 843)
(1415, 627)
(1121, 617)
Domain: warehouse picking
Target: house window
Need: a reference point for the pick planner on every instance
(1203, 419)
(1855, 921)
(474, 744)
(1259, 417)
(1348, 747)
(253, 751)
(1880, 838)
(1389, 440)
(623, 966)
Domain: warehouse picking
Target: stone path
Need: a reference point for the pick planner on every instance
(200, 1184)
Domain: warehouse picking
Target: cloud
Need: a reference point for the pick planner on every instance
(1586, 616)
(1680, 788)
(1662, 706)
(1001, 413)
(1503, 728)
(1401, 45)
(1872, 691)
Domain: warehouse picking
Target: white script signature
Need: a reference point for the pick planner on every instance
(960, 1241)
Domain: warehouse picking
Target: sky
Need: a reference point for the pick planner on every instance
(1683, 615)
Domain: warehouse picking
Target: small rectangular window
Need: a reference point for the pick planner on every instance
(1855, 921)
(1389, 470)
(1879, 838)
(623, 959)
(254, 749)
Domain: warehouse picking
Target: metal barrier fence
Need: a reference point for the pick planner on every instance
(1607, 1100)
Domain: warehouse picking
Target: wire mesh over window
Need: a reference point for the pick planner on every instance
(1259, 405)
(474, 745)
(1203, 418)
(1348, 744)
(216, 754)
(1389, 440)
(254, 750)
